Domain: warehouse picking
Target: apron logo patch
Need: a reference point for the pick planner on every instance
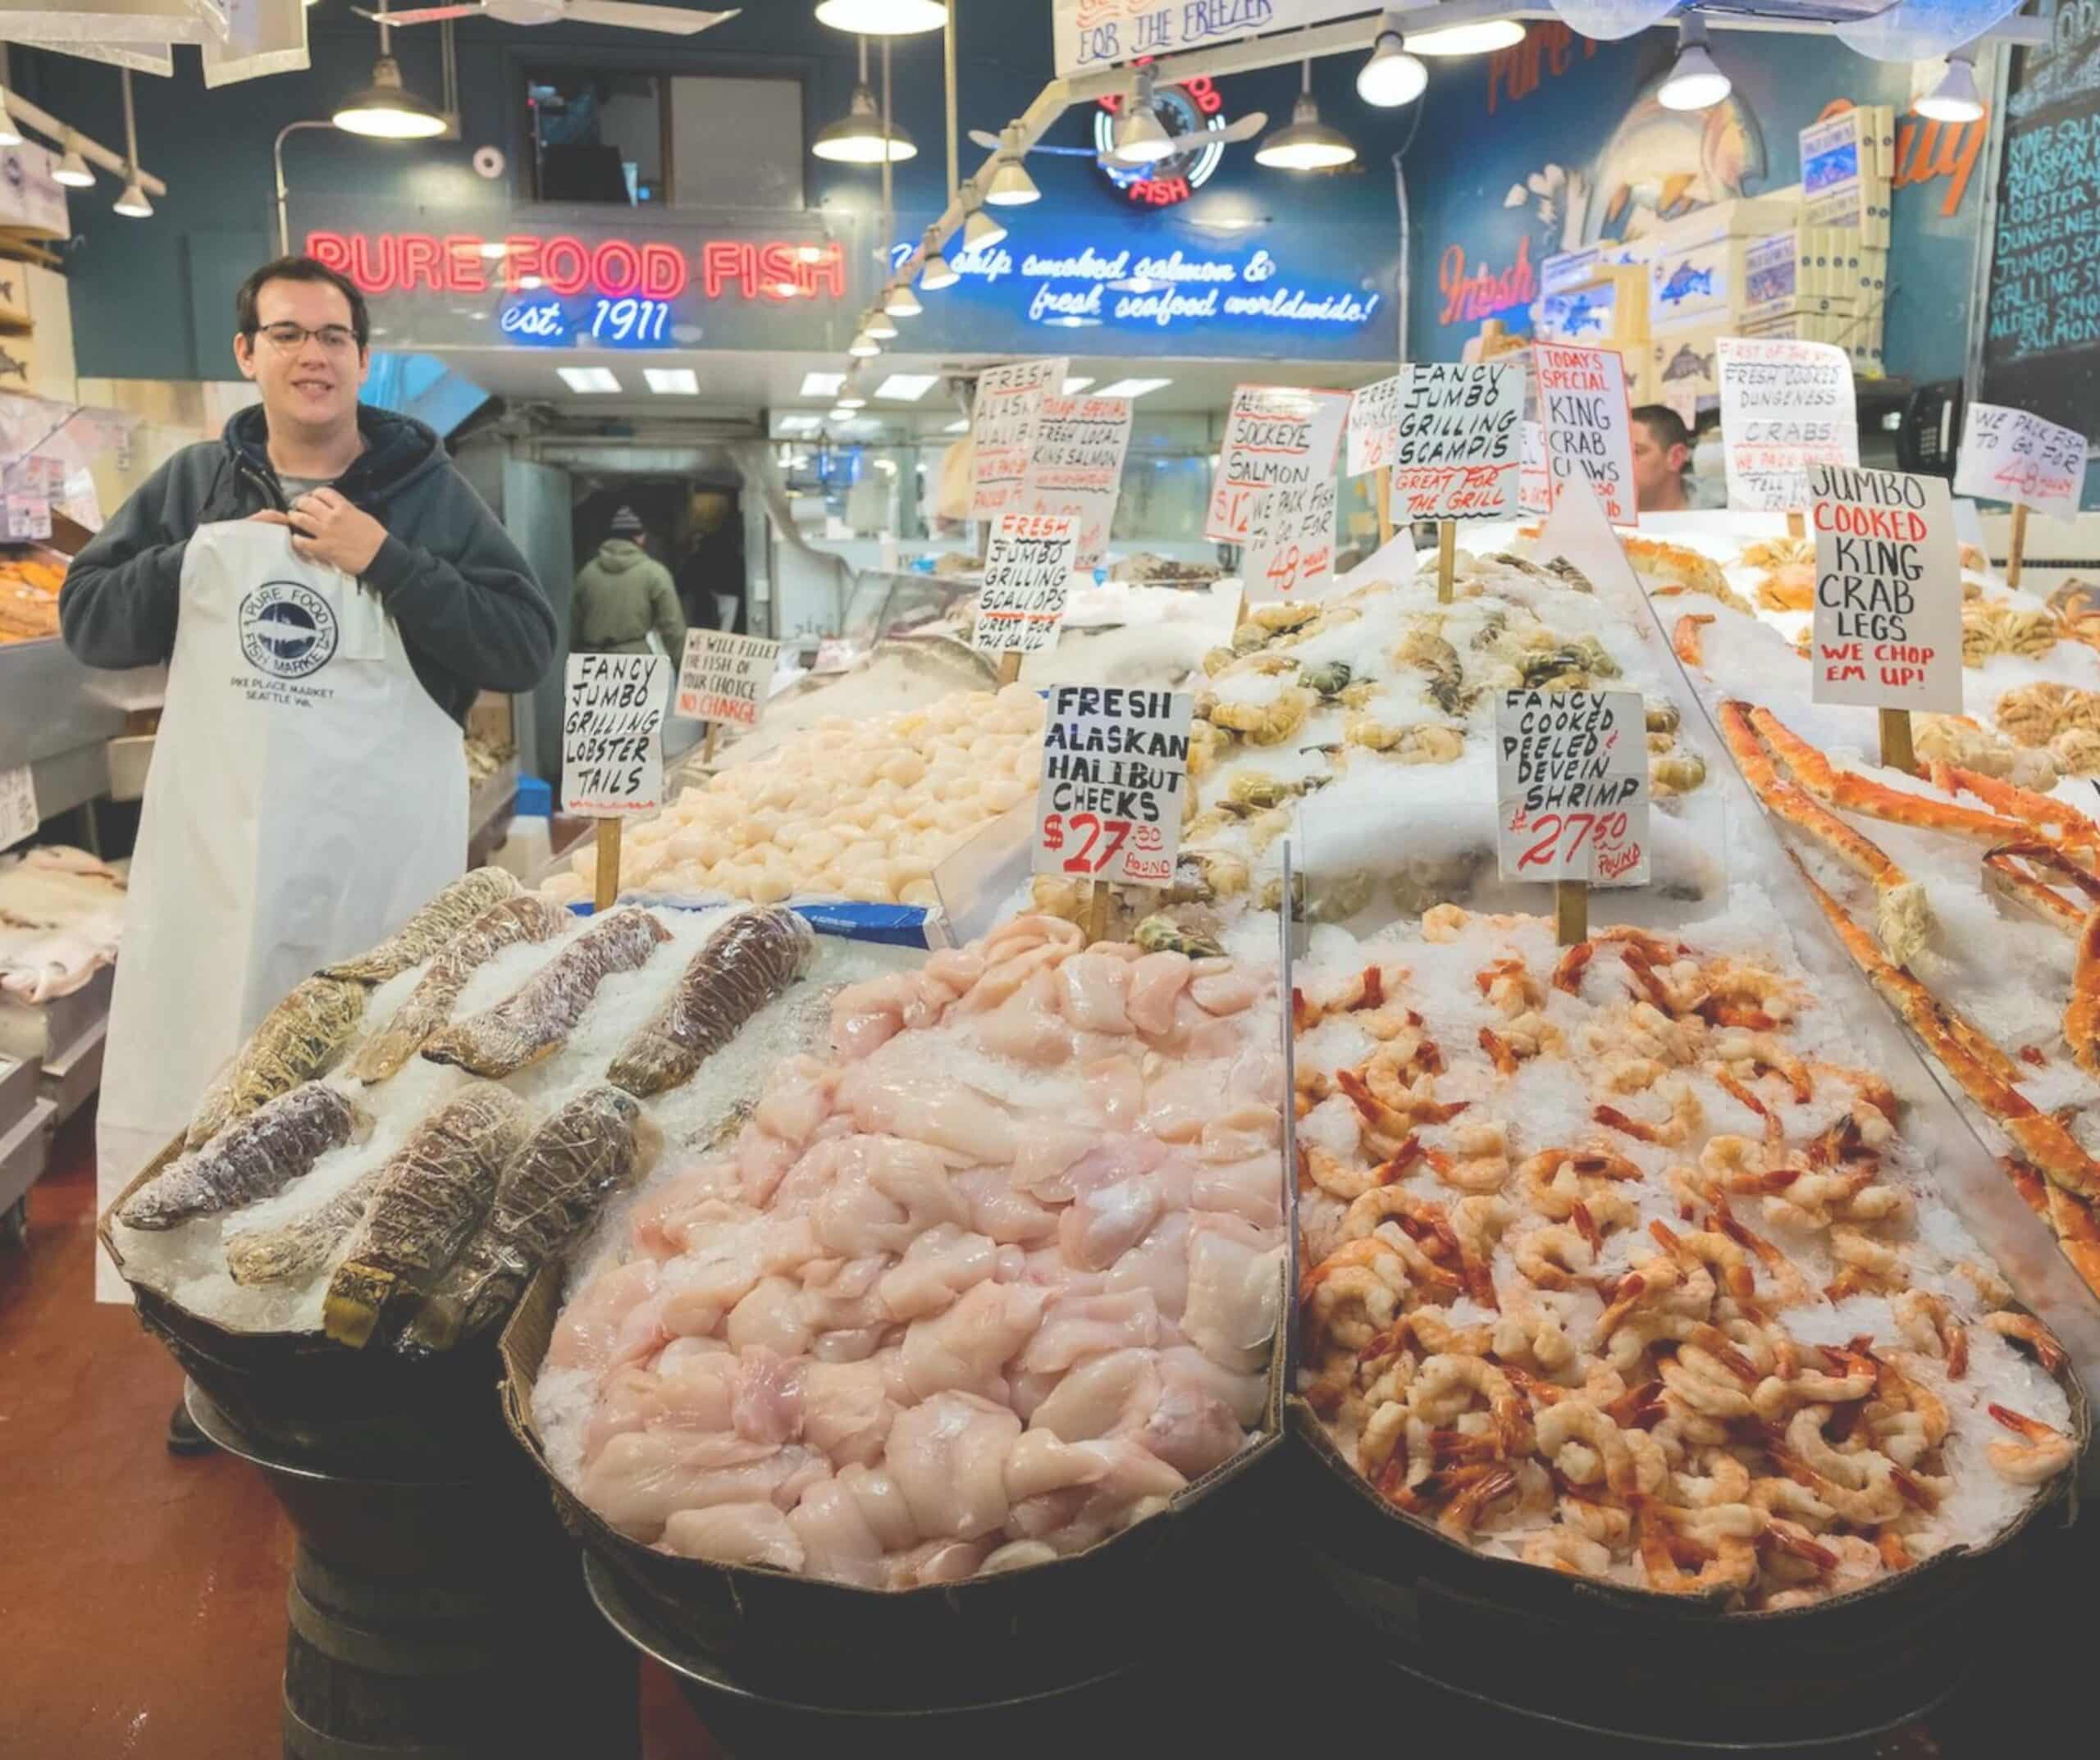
(287, 630)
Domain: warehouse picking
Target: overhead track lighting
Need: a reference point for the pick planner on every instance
(1694, 83)
(901, 301)
(1475, 37)
(859, 136)
(880, 324)
(132, 204)
(1138, 138)
(72, 169)
(864, 347)
(385, 110)
(883, 18)
(1307, 144)
(10, 135)
(1955, 98)
(850, 396)
(1392, 77)
(1010, 184)
(981, 232)
(935, 272)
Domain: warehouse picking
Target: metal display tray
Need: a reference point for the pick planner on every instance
(25, 1152)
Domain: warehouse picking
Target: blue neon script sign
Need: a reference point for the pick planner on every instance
(547, 321)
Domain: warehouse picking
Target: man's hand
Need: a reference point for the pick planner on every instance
(328, 529)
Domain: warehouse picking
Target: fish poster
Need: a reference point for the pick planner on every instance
(1028, 576)
(1786, 407)
(1076, 469)
(726, 679)
(1374, 427)
(1571, 786)
(2011, 455)
(1003, 425)
(1115, 763)
(1275, 437)
(1588, 425)
(1462, 443)
(1887, 631)
(612, 749)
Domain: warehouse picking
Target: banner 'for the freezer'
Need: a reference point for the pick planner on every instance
(1094, 33)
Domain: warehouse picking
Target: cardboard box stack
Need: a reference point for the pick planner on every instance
(1596, 298)
(1710, 276)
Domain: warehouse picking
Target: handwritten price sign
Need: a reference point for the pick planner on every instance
(1277, 437)
(1572, 786)
(1461, 449)
(1114, 765)
(1887, 631)
(612, 751)
(2009, 455)
(1290, 544)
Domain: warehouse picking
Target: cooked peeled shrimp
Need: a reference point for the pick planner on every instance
(1992, 1289)
(1586, 1446)
(1563, 1549)
(1382, 1204)
(1726, 1257)
(2031, 1333)
(1464, 1512)
(1396, 1115)
(1536, 1333)
(1872, 1258)
(1607, 1524)
(1732, 1566)
(1381, 1435)
(1482, 1162)
(1558, 1180)
(1350, 1183)
(1709, 1395)
(1927, 1322)
(1798, 1502)
(2041, 1454)
(1553, 1257)
(1444, 1386)
(1726, 1480)
(1358, 1286)
(1764, 1053)
(1432, 1329)
(1685, 1115)
(1479, 1223)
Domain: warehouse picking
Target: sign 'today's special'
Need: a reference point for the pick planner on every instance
(1076, 467)
(1571, 774)
(612, 756)
(724, 678)
(1887, 630)
(1588, 425)
(1028, 573)
(1114, 764)
(1461, 446)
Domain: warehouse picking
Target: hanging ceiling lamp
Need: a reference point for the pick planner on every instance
(1694, 83)
(1955, 98)
(1307, 144)
(1010, 184)
(1474, 37)
(901, 301)
(385, 110)
(1392, 77)
(1138, 138)
(132, 204)
(864, 347)
(936, 272)
(72, 169)
(883, 18)
(981, 232)
(879, 325)
(859, 137)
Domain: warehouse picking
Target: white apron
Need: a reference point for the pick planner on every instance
(306, 796)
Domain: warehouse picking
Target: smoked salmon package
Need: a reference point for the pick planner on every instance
(947, 1363)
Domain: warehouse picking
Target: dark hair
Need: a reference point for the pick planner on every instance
(1664, 425)
(246, 322)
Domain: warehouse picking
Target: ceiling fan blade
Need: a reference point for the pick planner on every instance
(1245, 129)
(423, 15)
(986, 139)
(628, 14)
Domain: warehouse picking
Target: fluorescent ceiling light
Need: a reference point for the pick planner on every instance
(957, 427)
(883, 18)
(1133, 387)
(1073, 387)
(682, 380)
(907, 388)
(385, 111)
(857, 137)
(800, 424)
(1955, 98)
(822, 385)
(1481, 38)
(1694, 83)
(1391, 77)
(588, 378)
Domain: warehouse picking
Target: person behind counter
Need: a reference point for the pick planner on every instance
(624, 594)
(330, 596)
(1662, 454)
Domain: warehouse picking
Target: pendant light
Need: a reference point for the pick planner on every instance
(1955, 98)
(981, 232)
(10, 135)
(859, 137)
(132, 204)
(1475, 37)
(883, 18)
(1010, 184)
(1307, 144)
(72, 169)
(850, 396)
(1137, 136)
(879, 325)
(935, 272)
(901, 301)
(864, 347)
(386, 109)
(1694, 83)
(1392, 77)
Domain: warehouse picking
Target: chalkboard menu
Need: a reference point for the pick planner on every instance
(2041, 339)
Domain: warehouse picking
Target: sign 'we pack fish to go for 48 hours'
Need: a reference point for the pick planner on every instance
(2010, 455)
(1887, 591)
(1115, 763)
(1461, 441)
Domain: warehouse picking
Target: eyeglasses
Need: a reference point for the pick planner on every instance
(335, 338)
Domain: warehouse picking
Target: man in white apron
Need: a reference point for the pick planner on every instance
(330, 595)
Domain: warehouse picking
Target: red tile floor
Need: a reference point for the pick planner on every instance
(142, 1598)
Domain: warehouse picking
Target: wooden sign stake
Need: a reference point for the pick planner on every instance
(707, 750)
(2019, 550)
(1385, 505)
(1447, 558)
(1797, 525)
(1570, 907)
(609, 863)
(1010, 667)
(1897, 751)
(1098, 902)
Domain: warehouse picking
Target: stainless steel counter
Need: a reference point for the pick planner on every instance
(58, 717)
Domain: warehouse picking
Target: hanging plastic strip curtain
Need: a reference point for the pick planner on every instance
(263, 36)
(1917, 31)
(103, 22)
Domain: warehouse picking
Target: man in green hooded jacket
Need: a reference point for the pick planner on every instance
(622, 594)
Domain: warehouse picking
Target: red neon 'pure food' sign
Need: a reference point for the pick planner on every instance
(390, 262)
